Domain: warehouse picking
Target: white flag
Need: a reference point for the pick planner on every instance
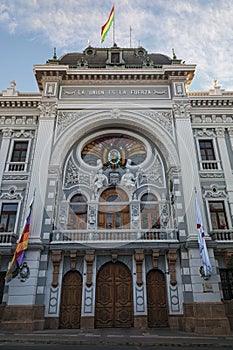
(205, 261)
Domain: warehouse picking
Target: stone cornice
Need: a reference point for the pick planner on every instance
(181, 71)
(212, 102)
(13, 102)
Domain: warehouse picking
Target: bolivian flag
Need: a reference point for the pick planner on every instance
(105, 28)
(22, 245)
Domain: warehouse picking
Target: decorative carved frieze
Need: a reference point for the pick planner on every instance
(155, 174)
(89, 258)
(204, 132)
(212, 119)
(139, 257)
(14, 177)
(171, 258)
(18, 120)
(164, 119)
(65, 119)
(56, 259)
(74, 176)
(27, 134)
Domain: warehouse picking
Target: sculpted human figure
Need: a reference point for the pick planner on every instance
(100, 180)
(128, 179)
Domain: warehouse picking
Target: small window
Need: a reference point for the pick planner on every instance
(19, 151)
(8, 217)
(218, 215)
(115, 57)
(207, 150)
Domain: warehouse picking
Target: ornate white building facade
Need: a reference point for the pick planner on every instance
(114, 146)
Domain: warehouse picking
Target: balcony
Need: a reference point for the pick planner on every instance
(107, 236)
(222, 235)
(16, 166)
(7, 238)
(210, 165)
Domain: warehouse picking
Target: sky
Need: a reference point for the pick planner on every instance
(200, 31)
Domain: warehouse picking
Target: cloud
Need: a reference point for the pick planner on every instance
(200, 31)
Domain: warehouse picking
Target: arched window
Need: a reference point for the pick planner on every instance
(113, 211)
(77, 213)
(149, 211)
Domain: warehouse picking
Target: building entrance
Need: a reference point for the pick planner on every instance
(114, 300)
(156, 299)
(71, 297)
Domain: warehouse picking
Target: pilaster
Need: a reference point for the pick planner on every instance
(188, 163)
(4, 150)
(224, 156)
(40, 164)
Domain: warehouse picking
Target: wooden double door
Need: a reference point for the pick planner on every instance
(71, 299)
(156, 299)
(114, 300)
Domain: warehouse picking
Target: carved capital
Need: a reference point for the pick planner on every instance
(48, 109)
(7, 133)
(139, 257)
(182, 110)
(73, 255)
(89, 258)
(56, 259)
(220, 132)
(171, 258)
(155, 258)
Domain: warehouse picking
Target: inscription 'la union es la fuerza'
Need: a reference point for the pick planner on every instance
(112, 92)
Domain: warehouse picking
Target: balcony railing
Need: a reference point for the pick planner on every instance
(88, 236)
(222, 235)
(210, 165)
(16, 166)
(7, 238)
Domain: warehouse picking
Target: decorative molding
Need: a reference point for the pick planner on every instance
(47, 109)
(56, 259)
(89, 258)
(155, 174)
(139, 257)
(212, 119)
(155, 258)
(212, 175)
(65, 119)
(171, 258)
(73, 175)
(18, 120)
(26, 134)
(182, 110)
(174, 298)
(204, 133)
(73, 256)
(15, 177)
(220, 132)
(164, 119)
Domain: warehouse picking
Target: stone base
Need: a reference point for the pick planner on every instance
(52, 323)
(206, 318)
(87, 322)
(26, 318)
(176, 322)
(228, 304)
(140, 322)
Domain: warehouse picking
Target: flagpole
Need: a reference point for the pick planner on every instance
(113, 28)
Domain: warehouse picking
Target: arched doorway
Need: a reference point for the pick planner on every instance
(114, 300)
(71, 297)
(156, 299)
